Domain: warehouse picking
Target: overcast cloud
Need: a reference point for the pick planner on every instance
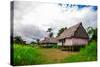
(32, 19)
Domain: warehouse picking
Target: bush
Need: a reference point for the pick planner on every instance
(55, 46)
(26, 55)
(90, 50)
(89, 53)
(50, 46)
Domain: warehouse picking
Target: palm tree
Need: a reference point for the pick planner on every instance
(50, 32)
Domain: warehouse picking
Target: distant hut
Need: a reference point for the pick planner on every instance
(49, 41)
(74, 37)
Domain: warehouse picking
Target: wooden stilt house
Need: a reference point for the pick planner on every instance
(74, 37)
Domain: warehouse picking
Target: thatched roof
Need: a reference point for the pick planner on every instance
(49, 40)
(76, 30)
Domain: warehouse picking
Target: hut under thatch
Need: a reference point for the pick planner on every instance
(75, 36)
(49, 41)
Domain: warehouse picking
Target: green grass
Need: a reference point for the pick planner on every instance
(89, 53)
(26, 55)
(30, 55)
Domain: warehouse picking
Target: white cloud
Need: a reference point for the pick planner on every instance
(40, 16)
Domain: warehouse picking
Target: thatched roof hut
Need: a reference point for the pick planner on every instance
(49, 40)
(74, 31)
(75, 35)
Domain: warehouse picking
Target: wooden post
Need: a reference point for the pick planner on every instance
(68, 48)
(71, 48)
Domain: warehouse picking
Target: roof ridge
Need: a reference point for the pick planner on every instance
(76, 24)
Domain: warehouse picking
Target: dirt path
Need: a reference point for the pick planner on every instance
(53, 55)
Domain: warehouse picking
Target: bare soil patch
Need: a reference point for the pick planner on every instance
(53, 55)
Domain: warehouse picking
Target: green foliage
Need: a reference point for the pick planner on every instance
(50, 32)
(90, 50)
(19, 40)
(95, 34)
(89, 53)
(92, 32)
(55, 46)
(26, 55)
(60, 31)
(33, 42)
(51, 46)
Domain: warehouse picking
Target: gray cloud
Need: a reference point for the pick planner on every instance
(28, 32)
(32, 19)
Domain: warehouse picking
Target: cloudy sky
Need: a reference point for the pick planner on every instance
(32, 19)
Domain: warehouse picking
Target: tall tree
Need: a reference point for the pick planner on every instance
(61, 30)
(38, 41)
(50, 32)
(18, 39)
(92, 33)
(94, 37)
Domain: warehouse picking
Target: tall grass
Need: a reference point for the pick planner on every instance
(89, 53)
(26, 55)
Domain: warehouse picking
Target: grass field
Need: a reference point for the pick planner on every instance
(26, 55)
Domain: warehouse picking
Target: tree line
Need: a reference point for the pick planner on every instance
(92, 32)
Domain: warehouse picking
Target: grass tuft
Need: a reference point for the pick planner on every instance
(26, 55)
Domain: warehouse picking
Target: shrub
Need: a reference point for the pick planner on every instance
(89, 53)
(55, 46)
(90, 50)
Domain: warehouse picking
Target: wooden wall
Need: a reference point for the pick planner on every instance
(74, 41)
(68, 42)
(79, 41)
